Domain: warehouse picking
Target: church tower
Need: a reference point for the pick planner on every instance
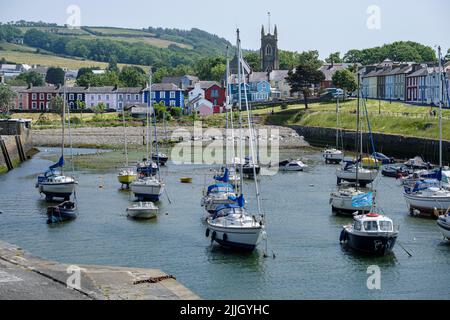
(269, 50)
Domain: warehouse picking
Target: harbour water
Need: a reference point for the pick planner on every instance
(305, 260)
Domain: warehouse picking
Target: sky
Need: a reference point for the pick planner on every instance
(323, 25)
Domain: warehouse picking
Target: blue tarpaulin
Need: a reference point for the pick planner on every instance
(225, 178)
(363, 200)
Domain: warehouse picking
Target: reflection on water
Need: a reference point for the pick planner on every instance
(303, 235)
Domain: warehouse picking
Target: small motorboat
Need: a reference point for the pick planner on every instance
(143, 210)
(395, 171)
(371, 234)
(383, 159)
(443, 223)
(333, 156)
(63, 212)
(292, 165)
(160, 158)
(418, 163)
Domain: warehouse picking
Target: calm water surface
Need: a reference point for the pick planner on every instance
(303, 235)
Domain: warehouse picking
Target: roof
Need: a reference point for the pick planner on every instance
(420, 73)
(130, 90)
(258, 76)
(177, 80)
(279, 75)
(208, 84)
(109, 89)
(165, 87)
(330, 69)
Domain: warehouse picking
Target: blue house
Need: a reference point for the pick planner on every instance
(167, 93)
(235, 92)
(260, 91)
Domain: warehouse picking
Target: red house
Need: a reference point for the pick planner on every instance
(39, 97)
(215, 94)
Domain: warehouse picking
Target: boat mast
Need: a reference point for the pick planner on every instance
(156, 132)
(226, 109)
(251, 140)
(337, 123)
(125, 137)
(440, 109)
(357, 133)
(148, 113)
(241, 152)
(63, 122)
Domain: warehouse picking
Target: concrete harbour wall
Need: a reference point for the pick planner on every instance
(392, 145)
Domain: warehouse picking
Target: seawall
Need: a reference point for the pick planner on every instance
(16, 144)
(392, 145)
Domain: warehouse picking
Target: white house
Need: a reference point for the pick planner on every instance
(196, 92)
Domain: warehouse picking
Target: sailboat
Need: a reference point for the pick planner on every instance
(334, 155)
(54, 184)
(126, 175)
(162, 158)
(434, 200)
(148, 186)
(222, 192)
(343, 200)
(232, 226)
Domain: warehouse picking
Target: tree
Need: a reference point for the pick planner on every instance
(83, 71)
(334, 58)
(310, 58)
(100, 109)
(31, 77)
(6, 97)
(113, 65)
(204, 67)
(132, 77)
(254, 61)
(80, 106)
(447, 57)
(303, 78)
(55, 76)
(288, 59)
(345, 80)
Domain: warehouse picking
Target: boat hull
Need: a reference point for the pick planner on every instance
(333, 158)
(126, 179)
(426, 207)
(142, 213)
(444, 227)
(57, 190)
(364, 178)
(379, 244)
(236, 238)
(62, 213)
(343, 205)
(147, 192)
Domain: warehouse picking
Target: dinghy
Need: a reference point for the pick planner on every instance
(63, 212)
(143, 210)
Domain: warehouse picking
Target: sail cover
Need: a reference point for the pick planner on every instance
(60, 164)
(225, 178)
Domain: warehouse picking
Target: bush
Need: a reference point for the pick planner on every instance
(284, 106)
(75, 120)
(176, 112)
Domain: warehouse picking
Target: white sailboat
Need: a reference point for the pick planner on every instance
(127, 174)
(149, 187)
(232, 225)
(334, 155)
(342, 200)
(432, 201)
(54, 184)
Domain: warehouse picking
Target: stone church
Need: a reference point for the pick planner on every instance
(270, 59)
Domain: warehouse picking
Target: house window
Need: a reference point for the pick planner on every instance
(49, 96)
(162, 95)
(215, 93)
(71, 96)
(47, 105)
(34, 105)
(80, 97)
(92, 98)
(71, 105)
(34, 96)
(172, 94)
(153, 95)
(120, 97)
(136, 97)
(172, 103)
(20, 105)
(99, 97)
(129, 97)
(120, 106)
(107, 97)
(269, 49)
(41, 106)
(41, 96)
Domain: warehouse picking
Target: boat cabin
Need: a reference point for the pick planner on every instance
(373, 222)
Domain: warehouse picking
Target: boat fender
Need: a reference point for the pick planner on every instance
(214, 235)
(343, 237)
(225, 237)
(207, 233)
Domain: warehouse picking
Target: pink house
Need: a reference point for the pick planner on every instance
(20, 102)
